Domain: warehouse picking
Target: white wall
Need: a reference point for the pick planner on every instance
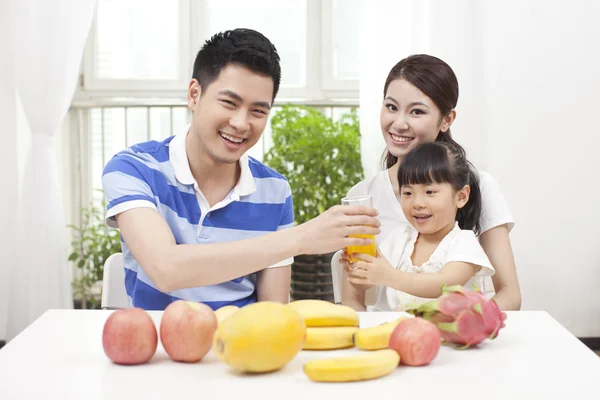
(541, 130)
(527, 113)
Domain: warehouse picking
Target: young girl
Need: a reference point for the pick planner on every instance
(441, 200)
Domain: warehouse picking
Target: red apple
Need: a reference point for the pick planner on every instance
(416, 340)
(187, 329)
(129, 337)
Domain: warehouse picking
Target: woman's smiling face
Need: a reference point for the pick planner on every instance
(408, 117)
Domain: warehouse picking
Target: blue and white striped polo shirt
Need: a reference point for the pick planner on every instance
(157, 175)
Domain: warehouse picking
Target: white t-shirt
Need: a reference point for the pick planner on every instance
(458, 245)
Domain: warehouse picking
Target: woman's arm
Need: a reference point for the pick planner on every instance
(352, 296)
(496, 244)
(429, 285)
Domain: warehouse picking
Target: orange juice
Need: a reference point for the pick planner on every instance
(369, 249)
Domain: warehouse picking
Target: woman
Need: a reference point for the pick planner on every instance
(420, 94)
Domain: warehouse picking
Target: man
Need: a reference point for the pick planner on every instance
(199, 219)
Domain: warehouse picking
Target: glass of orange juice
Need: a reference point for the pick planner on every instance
(370, 249)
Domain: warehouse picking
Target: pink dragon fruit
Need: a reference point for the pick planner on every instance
(465, 318)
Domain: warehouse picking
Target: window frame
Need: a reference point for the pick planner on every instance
(330, 82)
(104, 87)
(320, 82)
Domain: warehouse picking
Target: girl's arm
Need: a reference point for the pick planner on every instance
(496, 244)
(429, 285)
(378, 271)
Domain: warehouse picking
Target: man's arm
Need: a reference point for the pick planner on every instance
(274, 284)
(172, 266)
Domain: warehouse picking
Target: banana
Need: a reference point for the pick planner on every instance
(224, 312)
(326, 338)
(376, 337)
(323, 313)
(371, 365)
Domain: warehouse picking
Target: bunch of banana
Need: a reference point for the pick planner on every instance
(376, 337)
(328, 326)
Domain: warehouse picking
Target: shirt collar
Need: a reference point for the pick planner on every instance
(245, 185)
(183, 173)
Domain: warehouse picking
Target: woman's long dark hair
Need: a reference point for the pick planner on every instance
(436, 80)
(440, 162)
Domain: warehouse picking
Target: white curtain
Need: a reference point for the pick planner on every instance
(394, 29)
(8, 162)
(50, 38)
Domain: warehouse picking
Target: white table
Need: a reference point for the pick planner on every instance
(60, 356)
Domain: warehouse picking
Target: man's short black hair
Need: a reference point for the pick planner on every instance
(245, 47)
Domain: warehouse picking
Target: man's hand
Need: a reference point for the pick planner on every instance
(330, 231)
(369, 270)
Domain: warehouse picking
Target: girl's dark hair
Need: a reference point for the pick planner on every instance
(439, 162)
(436, 80)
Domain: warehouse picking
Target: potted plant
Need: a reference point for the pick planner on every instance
(320, 158)
(93, 242)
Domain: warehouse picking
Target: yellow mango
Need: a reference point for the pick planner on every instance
(260, 337)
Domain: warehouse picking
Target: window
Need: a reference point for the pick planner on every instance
(340, 55)
(271, 18)
(121, 27)
(146, 48)
(127, 52)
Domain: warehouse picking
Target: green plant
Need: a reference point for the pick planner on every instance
(319, 157)
(93, 242)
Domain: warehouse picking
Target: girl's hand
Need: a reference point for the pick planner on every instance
(345, 261)
(369, 270)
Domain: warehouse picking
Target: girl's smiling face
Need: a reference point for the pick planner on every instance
(432, 208)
